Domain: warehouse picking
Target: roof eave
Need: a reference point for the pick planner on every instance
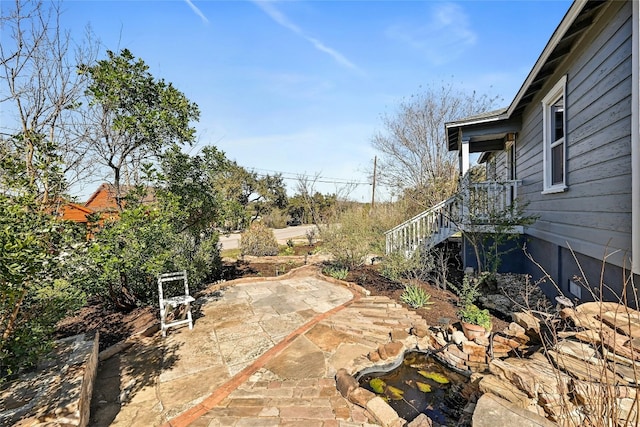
(557, 36)
(569, 18)
(476, 121)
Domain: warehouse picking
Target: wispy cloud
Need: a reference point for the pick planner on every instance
(444, 37)
(275, 14)
(297, 86)
(197, 11)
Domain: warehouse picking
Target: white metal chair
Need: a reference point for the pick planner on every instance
(174, 301)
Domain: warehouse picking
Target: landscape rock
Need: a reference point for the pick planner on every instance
(505, 390)
(345, 382)
(58, 394)
(399, 335)
(382, 352)
(393, 349)
(421, 421)
(499, 303)
(419, 331)
(458, 337)
(493, 411)
(528, 322)
(383, 413)
(361, 396)
(530, 375)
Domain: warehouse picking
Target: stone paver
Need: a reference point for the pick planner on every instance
(263, 353)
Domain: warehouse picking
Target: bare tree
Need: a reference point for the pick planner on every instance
(414, 157)
(306, 187)
(40, 87)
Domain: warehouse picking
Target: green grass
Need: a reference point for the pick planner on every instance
(230, 253)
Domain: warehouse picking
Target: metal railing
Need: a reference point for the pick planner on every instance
(480, 202)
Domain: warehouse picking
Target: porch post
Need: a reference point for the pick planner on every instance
(464, 156)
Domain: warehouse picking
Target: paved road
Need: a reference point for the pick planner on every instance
(232, 241)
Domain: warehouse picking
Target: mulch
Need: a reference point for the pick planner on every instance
(444, 303)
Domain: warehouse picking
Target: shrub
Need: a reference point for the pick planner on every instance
(415, 296)
(419, 266)
(126, 256)
(258, 240)
(336, 271)
(394, 266)
(35, 288)
(469, 291)
(349, 240)
(288, 251)
(311, 236)
(275, 219)
(356, 232)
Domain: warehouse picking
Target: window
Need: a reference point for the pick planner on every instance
(554, 122)
(575, 289)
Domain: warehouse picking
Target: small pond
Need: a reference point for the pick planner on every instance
(419, 384)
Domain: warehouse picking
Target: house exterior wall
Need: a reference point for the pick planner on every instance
(592, 218)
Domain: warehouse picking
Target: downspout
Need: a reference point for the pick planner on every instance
(635, 139)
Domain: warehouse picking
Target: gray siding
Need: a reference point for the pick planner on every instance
(594, 215)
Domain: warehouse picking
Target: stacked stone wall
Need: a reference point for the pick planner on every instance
(59, 392)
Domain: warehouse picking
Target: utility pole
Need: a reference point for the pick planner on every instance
(373, 191)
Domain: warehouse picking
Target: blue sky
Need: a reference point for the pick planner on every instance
(299, 86)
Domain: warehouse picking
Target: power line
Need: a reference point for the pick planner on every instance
(321, 179)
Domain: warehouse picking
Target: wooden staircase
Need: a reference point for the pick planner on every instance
(476, 205)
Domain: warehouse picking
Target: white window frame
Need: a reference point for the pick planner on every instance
(558, 91)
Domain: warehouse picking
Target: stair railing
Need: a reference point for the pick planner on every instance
(477, 200)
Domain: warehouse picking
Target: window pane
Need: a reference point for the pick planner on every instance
(557, 164)
(557, 114)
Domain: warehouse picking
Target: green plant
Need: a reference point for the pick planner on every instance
(471, 313)
(417, 267)
(36, 287)
(349, 239)
(415, 296)
(125, 256)
(311, 236)
(394, 266)
(469, 291)
(288, 251)
(258, 240)
(336, 271)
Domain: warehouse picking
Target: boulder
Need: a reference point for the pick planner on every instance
(421, 421)
(528, 322)
(345, 383)
(493, 411)
(505, 390)
(383, 413)
(360, 396)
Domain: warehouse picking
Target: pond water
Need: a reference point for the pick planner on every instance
(419, 384)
